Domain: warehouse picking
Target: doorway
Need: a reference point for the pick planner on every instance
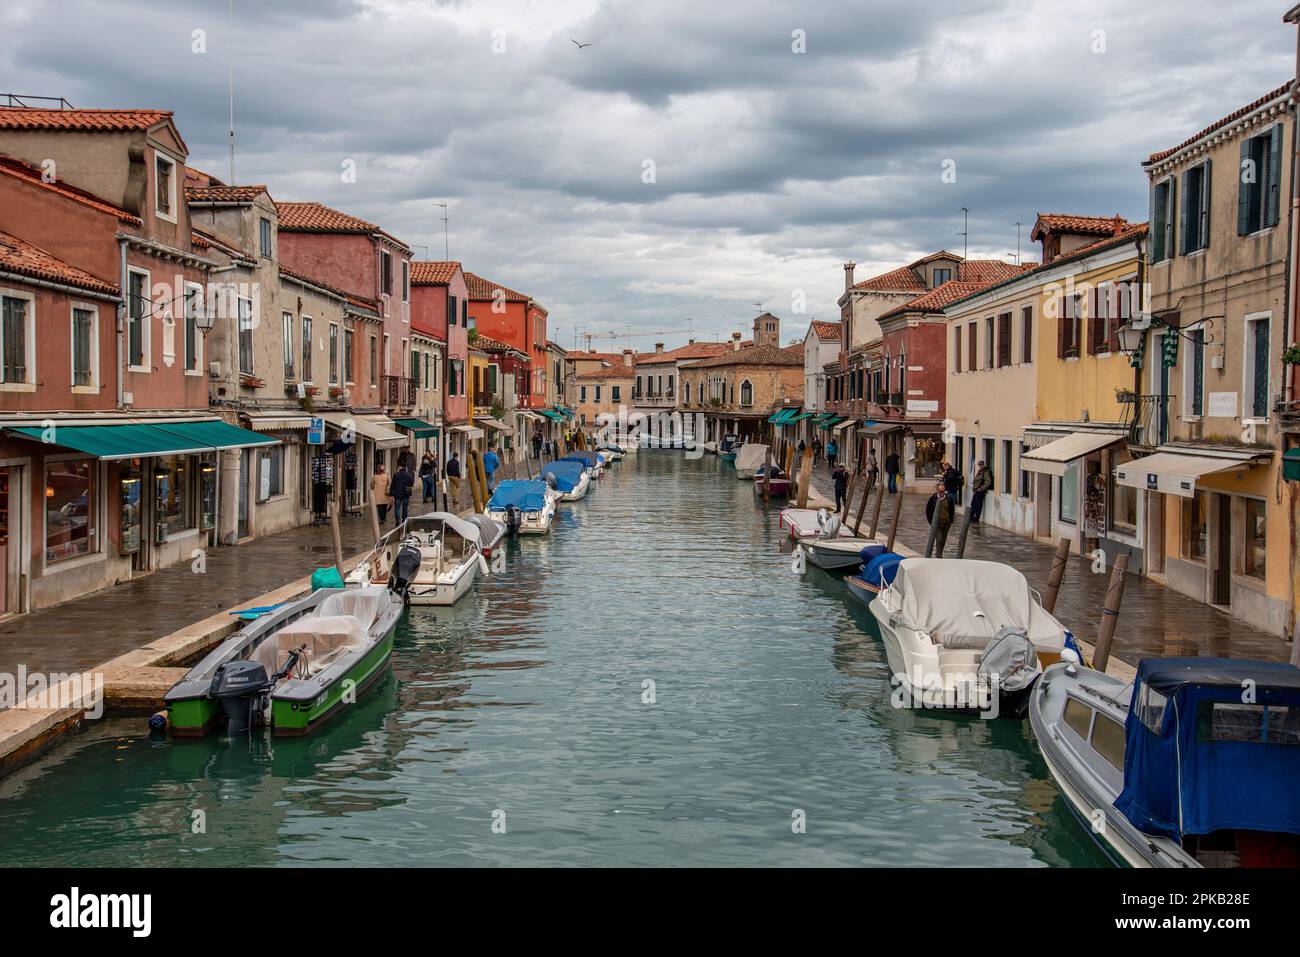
(1221, 574)
(245, 476)
(1154, 551)
(10, 540)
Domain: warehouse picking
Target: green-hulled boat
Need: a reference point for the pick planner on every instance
(291, 669)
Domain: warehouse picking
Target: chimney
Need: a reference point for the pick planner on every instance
(659, 348)
(735, 342)
(848, 274)
(627, 357)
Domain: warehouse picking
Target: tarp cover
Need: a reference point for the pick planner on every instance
(527, 496)
(589, 459)
(881, 570)
(962, 603)
(751, 456)
(1198, 758)
(871, 551)
(466, 530)
(567, 474)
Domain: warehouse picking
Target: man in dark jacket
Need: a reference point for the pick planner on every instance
(939, 500)
(537, 445)
(403, 482)
(952, 483)
(891, 469)
(981, 486)
(841, 478)
(453, 479)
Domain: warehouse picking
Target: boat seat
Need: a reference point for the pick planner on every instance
(364, 604)
(324, 638)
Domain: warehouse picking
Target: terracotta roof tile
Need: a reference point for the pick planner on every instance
(23, 118)
(30, 174)
(319, 218)
(826, 330)
(1088, 225)
(1219, 124)
(480, 288)
(488, 344)
(600, 356)
(901, 279)
(688, 352)
(937, 298)
(427, 273)
(223, 194)
(754, 356)
(618, 371)
(22, 258)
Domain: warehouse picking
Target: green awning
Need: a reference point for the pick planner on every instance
(417, 427)
(782, 416)
(552, 415)
(799, 418)
(829, 421)
(565, 412)
(1291, 465)
(138, 440)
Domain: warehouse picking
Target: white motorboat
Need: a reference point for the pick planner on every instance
(447, 548)
(571, 479)
(831, 552)
(612, 453)
(491, 532)
(809, 523)
(964, 635)
(523, 507)
(750, 459)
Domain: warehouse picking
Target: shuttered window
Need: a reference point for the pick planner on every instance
(1098, 314)
(972, 353)
(1027, 334)
(1260, 182)
(1162, 220)
(1004, 340)
(1195, 211)
(956, 349)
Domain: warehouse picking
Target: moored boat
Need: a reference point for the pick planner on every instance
(291, 669)
(806, 523)
(876, 572)
(728, 448)
(593, 462)
(612, 453)
(447, 548)
(571, 479)
(778, 486)
(964, 635)
(491, 532)
(829, 552)
(750, 459)
(1193, 764)
(523, 507)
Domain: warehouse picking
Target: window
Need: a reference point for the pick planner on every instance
(172, 505)
(1255, 539)
(972, 348)
(349, 370)
(70, 509)
(956, 348)
(383, 356)
(616, 393)
(1255, 723)
(1006, 466)
(406, 281)
(83, 346)
(1069, 507)
(164, 187)
(137, 320)
(1078, 717)
(582, 393)
(1026, 477)
(193, 305)
(1098, 313)
(1162, 221)
(17, 339)
(988, 343)
(1151, 708)
(1027, 334)
(1108, 740)
(1067, 327)
(941, 276)
(746, 393)
(1255, 374)
(597, 393)
(1195, 524)
(334, 353)
(1260, 182)
(415, 367)
(1004, 340)
(266, 237)
(386, 271)
(286, 328)
(1123, 499)
(1196, 208)
(464, 314)
(306, 348)
(374, 359)
(245, 336)
(1194, 371)
(671, 387)
(270, 479)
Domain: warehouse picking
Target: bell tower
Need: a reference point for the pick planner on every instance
(767, 330)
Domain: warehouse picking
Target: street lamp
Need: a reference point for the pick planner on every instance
(1130, 338)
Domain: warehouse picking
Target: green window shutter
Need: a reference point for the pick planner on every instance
(1171, 198)
(1203, 220)
(1246, 191)
(1273, 185)
(1156, 218)
(1185, 217)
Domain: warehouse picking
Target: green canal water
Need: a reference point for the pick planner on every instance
(528, 705)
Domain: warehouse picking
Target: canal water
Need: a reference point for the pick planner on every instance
(650, 684)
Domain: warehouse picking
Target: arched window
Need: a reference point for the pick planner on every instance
(746, 393)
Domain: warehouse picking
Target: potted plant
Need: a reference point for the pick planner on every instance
(1125, 396)
(1291, 355)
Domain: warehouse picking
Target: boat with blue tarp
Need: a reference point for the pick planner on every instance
(523, 506)
(570, 479)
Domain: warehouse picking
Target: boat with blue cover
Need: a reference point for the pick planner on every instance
(594, 462)
(570, 479)
(524, 507)
(879, 566)
(1195, 763)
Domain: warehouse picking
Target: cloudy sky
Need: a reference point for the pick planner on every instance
(768, 167)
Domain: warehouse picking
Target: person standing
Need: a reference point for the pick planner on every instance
(403, 483)
(891, 470)
(841, 479)
(453, 479)
(832, 453)
(873, 467)
(537, 445)
(379, 491)
(428, 470)
(953, 482)
(490, 464)
(941, 501)
(981, 485)
(817, 450)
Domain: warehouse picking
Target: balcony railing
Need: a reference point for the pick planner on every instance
(1142, 417)
(397, 390)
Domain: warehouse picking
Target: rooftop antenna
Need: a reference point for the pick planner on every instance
(231, 77)
(965, 231)
(1018, 225)
(446, 242)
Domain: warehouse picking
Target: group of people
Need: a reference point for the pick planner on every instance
(395, 492)
(947, 494)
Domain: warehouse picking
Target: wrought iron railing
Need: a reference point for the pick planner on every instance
(397, 390)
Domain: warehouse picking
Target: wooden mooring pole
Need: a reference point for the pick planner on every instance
(898, 510)
(805, 476)
(934, 532)
(767, 473)
(862, 506)
(1057, 574)
(875, 510)
(965, 530)
(1110, 613)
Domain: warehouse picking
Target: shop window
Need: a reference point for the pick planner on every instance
(271, 473)
(1255, 538)
(1006, 466)
(70, 509)
(1123, 499)
(929, 456)
(173, 506)
(1026, 476)
(1068, 510)
(1195, 526)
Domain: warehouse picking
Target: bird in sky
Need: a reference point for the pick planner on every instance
(577, 44)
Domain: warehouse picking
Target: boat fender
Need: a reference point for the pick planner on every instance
(158, 721)
(482, 564)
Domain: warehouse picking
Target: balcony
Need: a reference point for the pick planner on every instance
(1143, 418)
(397, 391)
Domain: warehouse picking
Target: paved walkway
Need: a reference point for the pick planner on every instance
(1153, 620)
(84, 632)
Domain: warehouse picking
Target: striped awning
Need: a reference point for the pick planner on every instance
(138, 440)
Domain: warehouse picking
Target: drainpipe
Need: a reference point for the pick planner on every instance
(121, 324)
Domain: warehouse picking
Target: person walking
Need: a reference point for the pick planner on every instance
(891, 469)
(490, 464)
(841, 479)
(453, 479)
(379, 491)
(799, 457)
(817, 450)
(403, 483)
(873, 468)
(428, 470)
(953, 482)
(832, 453)
(941, 501)
(537, 445)
(981, 485)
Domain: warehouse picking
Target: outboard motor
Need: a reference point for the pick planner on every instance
(514, 520)
(549, 478)
(830, 528)
(240, 688)
(405, 567)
